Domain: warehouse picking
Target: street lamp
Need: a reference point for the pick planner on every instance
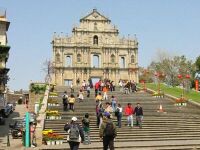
(145, 72)
(182, 78)
(159, 76)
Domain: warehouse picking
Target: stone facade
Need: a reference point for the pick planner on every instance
(4, 54)
(94, 50)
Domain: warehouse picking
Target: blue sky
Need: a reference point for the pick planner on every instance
(171, 25)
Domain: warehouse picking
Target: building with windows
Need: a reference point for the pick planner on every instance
(4, 53)
(94, 51)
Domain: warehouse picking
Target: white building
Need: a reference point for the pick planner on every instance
(94, 50)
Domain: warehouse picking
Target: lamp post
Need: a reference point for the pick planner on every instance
(159, 76)
(182, 78)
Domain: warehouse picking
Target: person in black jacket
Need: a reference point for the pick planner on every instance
(76, 134)
(139, 115)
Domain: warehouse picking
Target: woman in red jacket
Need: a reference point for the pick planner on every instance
(129, 111)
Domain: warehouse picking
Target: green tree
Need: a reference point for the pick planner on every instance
(197, 63)
(171, 66)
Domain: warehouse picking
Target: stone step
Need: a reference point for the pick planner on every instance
(129, 146)
(150, 138)
(178, 128)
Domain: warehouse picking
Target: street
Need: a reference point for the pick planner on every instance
(4, 129)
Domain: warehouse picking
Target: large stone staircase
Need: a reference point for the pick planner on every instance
(176, 128)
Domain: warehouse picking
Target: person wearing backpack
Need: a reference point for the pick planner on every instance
(76, 134)
(108, 132)
(65, 101)
(118, 114)
(86, 128)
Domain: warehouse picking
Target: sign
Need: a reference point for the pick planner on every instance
(197, 85)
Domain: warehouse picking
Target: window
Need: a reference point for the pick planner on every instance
(95, 40)
(132, 59)
(67, 82)
(68, 61)
(122, 62)
(112, 58)
(95, 61)
(95, 26)
(79, 58)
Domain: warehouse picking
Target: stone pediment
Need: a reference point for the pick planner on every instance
(95, 16)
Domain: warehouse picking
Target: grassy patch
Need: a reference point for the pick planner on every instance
(175, 91)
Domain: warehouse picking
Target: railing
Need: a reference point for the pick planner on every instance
(41, 117)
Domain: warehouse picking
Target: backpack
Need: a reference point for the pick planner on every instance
(74, 133)
(85, 122)
(117, 112)
(109, 130)
(65, 98)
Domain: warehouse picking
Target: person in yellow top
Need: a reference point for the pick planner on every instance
(99, 97)
(71, 101)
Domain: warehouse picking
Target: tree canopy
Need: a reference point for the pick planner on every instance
(171, 67)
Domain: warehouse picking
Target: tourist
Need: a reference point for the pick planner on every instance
(99, 111)
(133, 86)
(108, 109)
(96, 88)
(113, 103)
(102, 85)
(72, 87)
(75, 131)
(65, 101)
(100, 119)
(129, 111)
(99, 98)
(71, 101)
(86, 128)
(112, 86)
(120, 85)
(88, 91)
(139, 115)
(80, 96)
(105, 91)
(32, 134)
(118, 114)
(78, 82)
(84, 85)
(108, 132)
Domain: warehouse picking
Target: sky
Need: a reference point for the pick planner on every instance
(170, 25)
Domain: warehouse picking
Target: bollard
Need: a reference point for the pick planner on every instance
(8, 140)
